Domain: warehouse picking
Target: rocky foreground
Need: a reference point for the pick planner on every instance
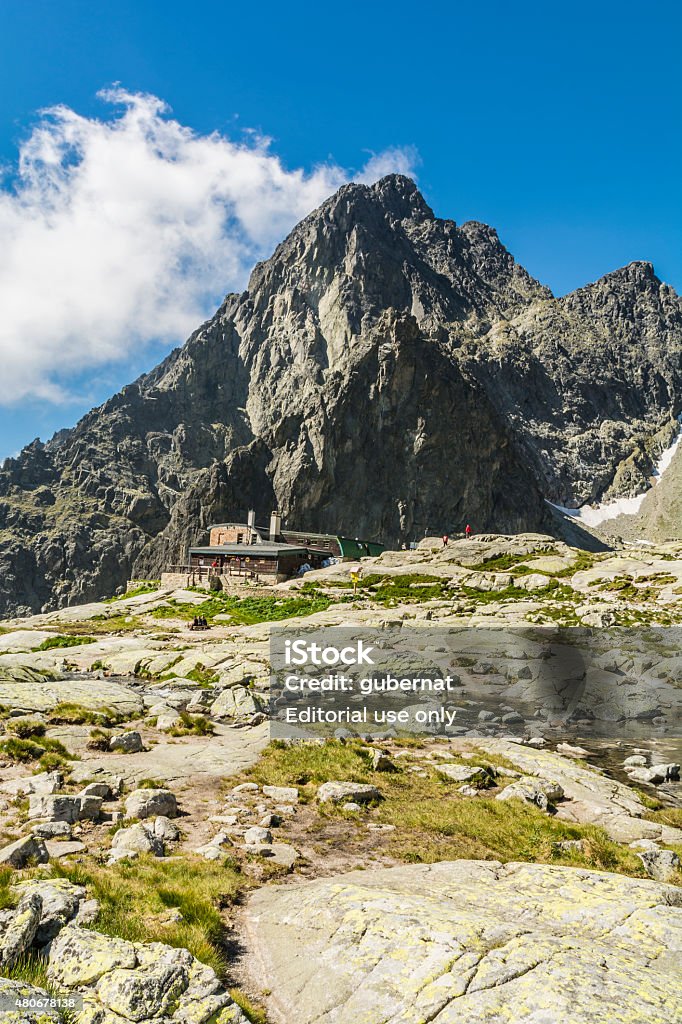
(161, 860)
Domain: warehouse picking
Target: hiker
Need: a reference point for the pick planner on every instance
(467, 531)
(445, 540)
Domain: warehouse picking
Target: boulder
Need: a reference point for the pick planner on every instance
(116, 856)
(656, 774)
(256, 836)
(284, 794)
(570, 845)
(81, 957)
(23, 852)
(270, 820)
(88, 912)
(659, 863)
(463, 772)
(201, 701)
(17, 936)
(343, 792)
(58, 848)
(33, 1004)
(129, 742)
(165, 829)
(138, 838)
(99, 789)
(45, 782)
(282, 854)
(148, 803)
(60, 900)
(532, 581)
(236, 702)
(531, 790)
(571, 751)
(141, 994)
(52, 830)
(212, 850)
(381, 762)
(167, 721)
(90, 807)
(55, 807)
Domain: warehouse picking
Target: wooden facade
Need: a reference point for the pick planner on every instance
(270, 561)
(272, 552)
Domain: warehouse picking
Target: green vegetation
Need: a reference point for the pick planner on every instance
(141, 587)
(305, 763)
(192, 725)
(26, 728)
(245, 611)
(391, 590)
(197, 888)
(64, 641)
(6, 897)
(252, 1012)
(501, 563)
(99, 739)
(671, 816)
(103, 625)
(71, 713)
(652, 803)
(50, 753)
(432, 820)
(583, 560)
(202, 675)
(32, 970)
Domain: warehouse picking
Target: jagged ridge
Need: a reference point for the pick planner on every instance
(387, 373)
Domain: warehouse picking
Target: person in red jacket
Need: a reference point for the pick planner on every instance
(467, 531)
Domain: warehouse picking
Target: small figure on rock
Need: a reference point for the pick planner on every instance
(445, 540)
(467, 531)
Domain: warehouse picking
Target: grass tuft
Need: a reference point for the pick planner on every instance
(135, 899)
(64, 641)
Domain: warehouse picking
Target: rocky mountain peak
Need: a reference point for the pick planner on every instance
(385, 373)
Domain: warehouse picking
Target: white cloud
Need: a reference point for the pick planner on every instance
(119, 232)
(395, 160)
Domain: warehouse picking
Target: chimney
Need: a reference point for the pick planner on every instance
(251, 523)
(275, 525)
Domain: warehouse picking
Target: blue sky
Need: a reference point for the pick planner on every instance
(557, 123)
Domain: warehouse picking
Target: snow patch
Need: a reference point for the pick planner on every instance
(593, 515)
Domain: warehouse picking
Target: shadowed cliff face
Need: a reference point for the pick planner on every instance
(386, 373)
